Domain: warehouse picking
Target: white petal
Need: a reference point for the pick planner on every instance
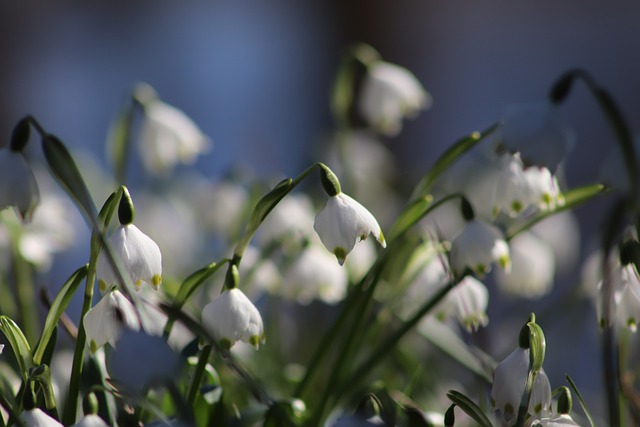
(104, 322)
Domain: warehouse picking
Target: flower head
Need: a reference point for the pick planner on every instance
(168, 136)
(36, 417)
(105, 321)
(232, 317)
(140, 257)
(390, 93)
(478, 245)
(19, 187)
(469, 300)
(342, 221)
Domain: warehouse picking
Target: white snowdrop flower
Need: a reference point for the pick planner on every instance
(537, 132)
(169, 137)
(532, 267)
(626, 295)
(469, 300)
(140, 257)
(91, 420)
(19, 186)
(232, 317)
(544, 188)
(509, 379)
(341, 222)
(105, 321)
(36, 417)
(478, 245)
(512, 189)
(315, 274)
(560, 420)
(390, 93)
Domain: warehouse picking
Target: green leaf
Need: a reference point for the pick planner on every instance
(448, 157)
(448, 341)
(581, 400)
(58, 307)
(572, 198)
(469, 407)
(410, 215)
(66, 172)
(537, 346)
(18, 343)
(119, 141)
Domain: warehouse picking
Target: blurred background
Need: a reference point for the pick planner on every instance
(256, 77)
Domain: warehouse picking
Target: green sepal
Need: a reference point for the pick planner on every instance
(232, 278)
(20, 135)
(583, 404)
(537, 346)
(469, 407)
(413, 417)
(329, 181)
(19, 344)
(448, 157)
(565, 402)
(66, 172)
(104, 218)
(126, 210)
(58, 307)
(572, 199)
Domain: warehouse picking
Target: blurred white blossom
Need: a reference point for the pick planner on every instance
(105, 321)
(389, 94)
(477, 247)
(19, 186)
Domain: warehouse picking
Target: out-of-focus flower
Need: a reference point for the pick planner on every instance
(532, 267)
(511, 190)
(168, 137)
(36, 417)
(509, 379)
(560, 420)
(469, 300)
(141, 361)
(290, 223)
(315, 274)
(19, 187)
(478, 245)
(544, 188)
(341, 222)
(91, 420)
(537, 132)
(140, 257)
(390, 93)
(105, 321)
(232, 317)
(626, 295)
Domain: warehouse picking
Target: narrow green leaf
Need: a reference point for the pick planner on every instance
(119, 141)
(18, 343)
(410, 215)
(58, 307)
(66, 172)
(581, 400)
(469, 407)
(572, 199)
(448, 157)
(448, 341)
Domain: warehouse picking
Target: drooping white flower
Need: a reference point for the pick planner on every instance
(232, 317)
(140, 257)
(36, 417)
(469, 300)
(626, 295)
(478, 245)
(536, 131)
(511, 192)
(19, 187)
(169, 137)
(532, 267)
(544, 188)
(342, 221)
(390, 93)
(105, 321)
(509, 379)
(91, 420)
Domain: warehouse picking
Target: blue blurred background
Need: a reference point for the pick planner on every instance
(256, 77)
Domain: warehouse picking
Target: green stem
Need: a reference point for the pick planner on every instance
(25, 293)
(205, 353)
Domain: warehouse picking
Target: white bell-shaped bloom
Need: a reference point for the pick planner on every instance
(169, 137)
(469, 300)
(315, 274)
(512, 190)
(626, 295)
(509, 379)
(544, 188)
(36, 417)
(390, 93)
(105, 322)
(91, 420)
(536, 131)
(341, 222)
(140, 257)
(19, 187)
(232, 317)
(478, 245)
(532, 267)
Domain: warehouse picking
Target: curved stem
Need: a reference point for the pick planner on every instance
(205, 353)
